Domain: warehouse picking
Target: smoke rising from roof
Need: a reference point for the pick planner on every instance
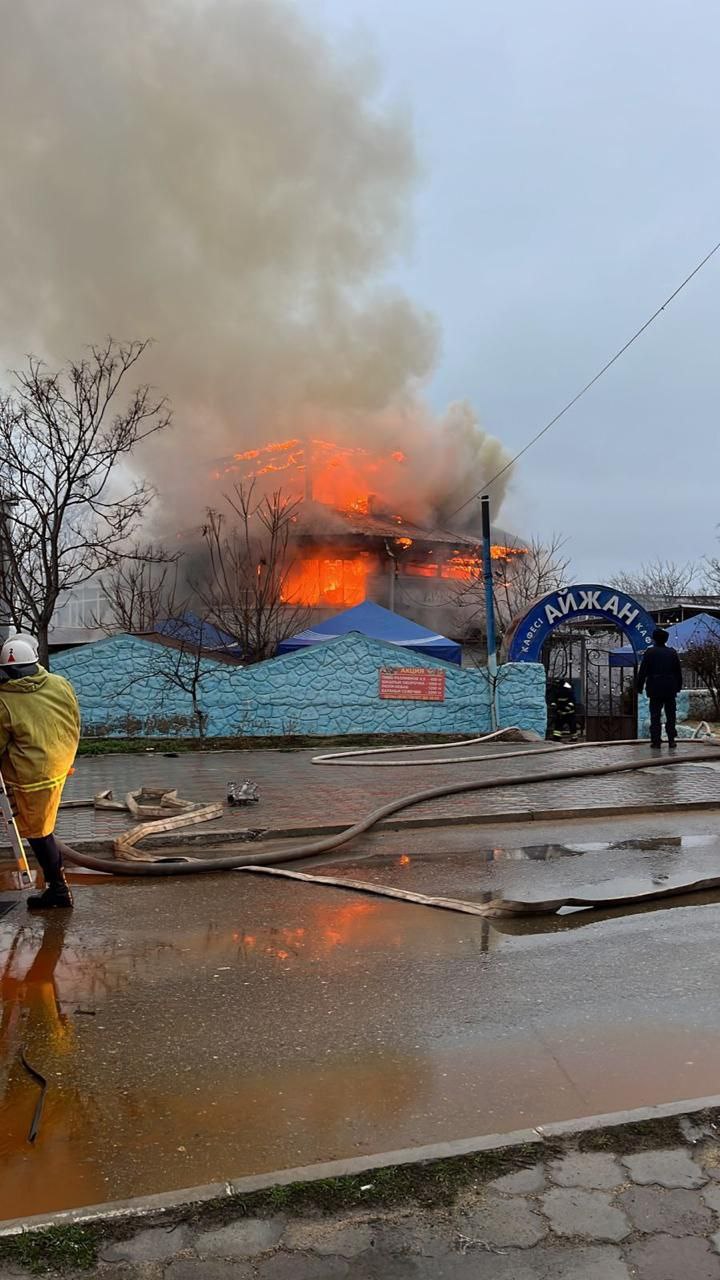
(217, 176)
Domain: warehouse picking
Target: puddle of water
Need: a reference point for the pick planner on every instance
(546, 852)
(602, 869)
(568, 919)
(196, 1031)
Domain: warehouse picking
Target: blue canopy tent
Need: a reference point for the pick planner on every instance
(681, 636)
(379, 624)
(188, 629)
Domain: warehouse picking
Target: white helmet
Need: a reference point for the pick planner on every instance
(20, 649)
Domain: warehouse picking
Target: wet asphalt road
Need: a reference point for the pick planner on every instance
(199, 1029)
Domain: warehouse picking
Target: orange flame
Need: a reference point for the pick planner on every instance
(328, 580)
(341, 581)
(463, 568)
(506, 553)
(343, 476)
(347, 477)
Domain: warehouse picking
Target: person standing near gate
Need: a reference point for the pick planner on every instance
(661, 674)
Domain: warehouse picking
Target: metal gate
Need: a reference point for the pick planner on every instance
(605, 698)
(610, 698)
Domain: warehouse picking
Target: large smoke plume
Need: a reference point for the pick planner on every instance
(218, 176)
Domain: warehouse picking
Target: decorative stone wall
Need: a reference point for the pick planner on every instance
(700, 705)
(129, 686)
(683, 709)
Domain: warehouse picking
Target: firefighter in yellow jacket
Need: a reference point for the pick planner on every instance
(39, 734)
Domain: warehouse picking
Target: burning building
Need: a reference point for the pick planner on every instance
(366, 529)
(272, 188)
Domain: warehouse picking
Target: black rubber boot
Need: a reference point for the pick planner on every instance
(56, 895)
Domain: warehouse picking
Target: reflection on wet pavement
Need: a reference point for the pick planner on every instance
(570, 918)
(502, 870)
(195, 1030)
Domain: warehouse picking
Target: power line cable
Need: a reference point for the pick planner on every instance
(587, 386)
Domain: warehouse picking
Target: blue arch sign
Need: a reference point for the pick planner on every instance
(529, 632)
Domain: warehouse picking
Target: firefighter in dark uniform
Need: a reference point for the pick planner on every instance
(563, 717)
(661, 674)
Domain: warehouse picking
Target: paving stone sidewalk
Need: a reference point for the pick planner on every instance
(297, 794)
(582, 1215)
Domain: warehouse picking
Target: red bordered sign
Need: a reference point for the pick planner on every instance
(412, 684)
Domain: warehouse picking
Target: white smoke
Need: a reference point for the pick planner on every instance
(220, 177)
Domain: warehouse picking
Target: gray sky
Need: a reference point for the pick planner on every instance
(571, 182)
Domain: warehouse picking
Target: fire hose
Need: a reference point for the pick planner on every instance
(353, 757)
(193, 866)
(267, 862)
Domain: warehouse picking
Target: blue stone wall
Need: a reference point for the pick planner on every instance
(683, 712)
(128, 686)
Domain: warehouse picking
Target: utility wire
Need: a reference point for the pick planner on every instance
(587, 386)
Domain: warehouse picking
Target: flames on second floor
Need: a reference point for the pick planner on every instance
(364, 519)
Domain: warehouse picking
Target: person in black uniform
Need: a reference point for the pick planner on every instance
(661, 673)
(562, 712)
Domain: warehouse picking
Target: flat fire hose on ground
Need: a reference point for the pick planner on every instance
(181, 865)
(497, 908)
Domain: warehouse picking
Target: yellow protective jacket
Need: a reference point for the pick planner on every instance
(39, 734)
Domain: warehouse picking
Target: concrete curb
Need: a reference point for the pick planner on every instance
(156, 1207)
(246, 836)
(226, 835)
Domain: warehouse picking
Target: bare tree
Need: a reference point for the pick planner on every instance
(711, 575)
(177, 660)
(141, 591)
(182, 666)
(703, 659)
(142, 594)
(249, 560)
(69, 504)
(518, 579)
(659, 580)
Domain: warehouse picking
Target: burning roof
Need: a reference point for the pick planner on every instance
(316, 517)
(350, 489)
(363, 518)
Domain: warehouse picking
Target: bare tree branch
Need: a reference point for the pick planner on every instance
(711, 574)
(70, 504)
(176, 665)
(246, 592)
(141, 591)
(518, 579)
(703, 659)
(181, 666)
(660, 580)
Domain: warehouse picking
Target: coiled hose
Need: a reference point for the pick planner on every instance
(312, 848)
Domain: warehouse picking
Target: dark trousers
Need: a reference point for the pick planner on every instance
(48, 856)
(565, 724)
(658, 705)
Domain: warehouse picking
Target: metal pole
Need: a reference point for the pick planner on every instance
(489, 611)
(392, 561)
